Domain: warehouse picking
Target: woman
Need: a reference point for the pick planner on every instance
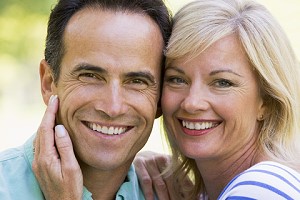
(231, 105)
(231, 102)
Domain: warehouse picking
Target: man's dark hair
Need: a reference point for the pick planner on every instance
(65, 9)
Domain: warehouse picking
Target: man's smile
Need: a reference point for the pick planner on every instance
(108, 130)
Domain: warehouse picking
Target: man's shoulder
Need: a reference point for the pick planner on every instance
(11, 154)
(16, 154)
(17, 180)
(11, 161)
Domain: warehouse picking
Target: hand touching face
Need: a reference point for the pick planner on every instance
(109, 85)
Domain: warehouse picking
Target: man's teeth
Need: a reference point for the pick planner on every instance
(198, 125)
(107, 130)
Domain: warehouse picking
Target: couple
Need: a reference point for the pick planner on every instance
(230, 103)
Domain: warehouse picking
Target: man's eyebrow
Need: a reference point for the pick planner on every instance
(88, 67)
(143, 74)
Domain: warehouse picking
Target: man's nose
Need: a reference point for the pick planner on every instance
(114, 101)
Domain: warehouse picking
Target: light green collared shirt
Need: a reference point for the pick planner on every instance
(17, 180)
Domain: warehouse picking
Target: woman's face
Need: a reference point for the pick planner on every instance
(211, 103)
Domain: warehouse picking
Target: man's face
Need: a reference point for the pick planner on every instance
(109, 85)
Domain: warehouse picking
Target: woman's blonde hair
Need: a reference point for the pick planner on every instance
(201, 23)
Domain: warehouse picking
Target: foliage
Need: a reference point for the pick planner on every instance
(23, 24)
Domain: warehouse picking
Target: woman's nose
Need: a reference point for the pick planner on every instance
(196, 100)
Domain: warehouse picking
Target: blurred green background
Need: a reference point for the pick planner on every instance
(22, 35)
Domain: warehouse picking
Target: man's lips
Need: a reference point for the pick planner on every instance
(108, 129)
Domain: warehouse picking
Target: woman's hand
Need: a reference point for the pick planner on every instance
(149, 166)
(54, 164)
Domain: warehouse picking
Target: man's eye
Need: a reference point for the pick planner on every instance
(89, 75)
(90, 78)
(137, 84)
(138, 81)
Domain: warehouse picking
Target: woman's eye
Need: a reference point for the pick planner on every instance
(175, 80)
(223, 83)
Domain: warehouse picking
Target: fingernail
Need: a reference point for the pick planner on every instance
(52, 98)
(60, 131)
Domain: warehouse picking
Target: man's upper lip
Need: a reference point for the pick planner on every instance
(115, 124)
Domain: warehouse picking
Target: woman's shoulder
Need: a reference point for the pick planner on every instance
(275, 168)
(265, 179)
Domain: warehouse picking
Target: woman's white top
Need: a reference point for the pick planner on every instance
(264, 181)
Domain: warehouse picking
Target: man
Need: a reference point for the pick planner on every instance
(101, 78)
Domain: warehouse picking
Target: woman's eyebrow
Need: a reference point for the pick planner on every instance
(175, 69)
(214, 72)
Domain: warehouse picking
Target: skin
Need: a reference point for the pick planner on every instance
(55, 165)
(219, 88)
(149, 167)
(109, 77)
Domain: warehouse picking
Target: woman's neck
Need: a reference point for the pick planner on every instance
(217, 173)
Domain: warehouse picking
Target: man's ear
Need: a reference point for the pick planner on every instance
(47, 81)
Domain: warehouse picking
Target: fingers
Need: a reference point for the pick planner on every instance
(64, 147)
(46, 159)
(70, 169)
(149, 166)
(44, 145)
(162, 185)
(144, 178)
(45, 136)
(54, 164)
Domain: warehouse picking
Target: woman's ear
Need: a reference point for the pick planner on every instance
(47, 81)
(261, 112)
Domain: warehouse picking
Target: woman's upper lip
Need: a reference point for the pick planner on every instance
(199, 124)
(199, 120)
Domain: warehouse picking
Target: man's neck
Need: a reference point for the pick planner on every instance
(104, 184)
